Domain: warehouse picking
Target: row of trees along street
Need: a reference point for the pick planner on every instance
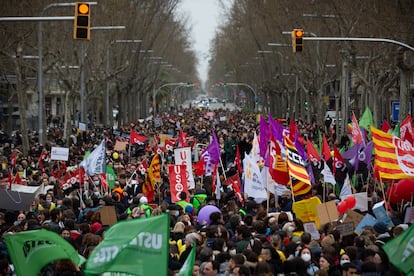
(135, 69)
(342, 75)
(339, 75)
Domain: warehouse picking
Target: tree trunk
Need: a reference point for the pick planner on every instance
(404, 97)
(68, 116)
(21, 96)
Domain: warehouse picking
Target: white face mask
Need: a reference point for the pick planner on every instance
(225, 249)
(291, 229)
(306, 257)
(342, 262)
(232, 252)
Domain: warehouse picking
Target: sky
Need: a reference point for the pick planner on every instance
(204, 19)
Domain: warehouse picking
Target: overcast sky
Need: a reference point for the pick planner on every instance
(204, 18)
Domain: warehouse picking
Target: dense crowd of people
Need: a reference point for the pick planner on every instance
(245, 238)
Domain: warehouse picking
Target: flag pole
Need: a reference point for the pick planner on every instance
(291, 189)
(324, 191)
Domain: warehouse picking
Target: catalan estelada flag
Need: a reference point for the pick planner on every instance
(295, 162)
(394, 157)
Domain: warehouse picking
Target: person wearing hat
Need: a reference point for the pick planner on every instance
(143, 204)
(381, 232)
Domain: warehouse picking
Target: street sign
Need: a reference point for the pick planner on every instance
(395, 107)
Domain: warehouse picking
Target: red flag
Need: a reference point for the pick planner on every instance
(326, 152)
(293, 130)
(63, 165)
(234, 181)
(169, 145)
(135, 138)
(199, 168)
(313, 154)
(385, 126)
(104, 183)
(338, 161)
(356, 131)
(213, 178)
(237, 160)
(17, 179)
(178, 178)
(277, 166)
(143, 166)
(13, 159)
(156, 142)
(40, 160)
(406, 129)
(182, 139)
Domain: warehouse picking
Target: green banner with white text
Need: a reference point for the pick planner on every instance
(137, 246)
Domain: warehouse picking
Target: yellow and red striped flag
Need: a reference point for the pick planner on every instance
(394, 157)
(295, 162)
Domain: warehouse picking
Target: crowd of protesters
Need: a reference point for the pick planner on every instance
(244, 238)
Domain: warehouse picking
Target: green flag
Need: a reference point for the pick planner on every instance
(396, 130)
(400, 251)
(187, 268)
(137, 246)
(366, 120)
(30, 251)
(110, 177)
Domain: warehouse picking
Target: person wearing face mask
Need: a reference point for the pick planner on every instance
(306, 255)
(344, 259)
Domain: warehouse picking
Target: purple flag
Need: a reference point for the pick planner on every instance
(277, 130)
(264, 137)
(366, 155)
(352, 155)
(211, 155)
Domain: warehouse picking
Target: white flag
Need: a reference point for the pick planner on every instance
(254, 184)
(327, 174)
(346, 188)
(95, 163)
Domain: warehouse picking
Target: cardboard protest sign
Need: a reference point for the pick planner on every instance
(381, 214)
(305, 210)
(58, 153)
(368, 220)
(361, 201)
(108, 215)
(353, 217)
(120, 146)
(327, 212)
(310, 227)
(345, 229)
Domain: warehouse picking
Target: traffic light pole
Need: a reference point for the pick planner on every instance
(155, 92)
(365, 39)
(248, 86)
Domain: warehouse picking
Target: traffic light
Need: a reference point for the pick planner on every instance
(297, 40)
(306, 105)
(81, 28)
